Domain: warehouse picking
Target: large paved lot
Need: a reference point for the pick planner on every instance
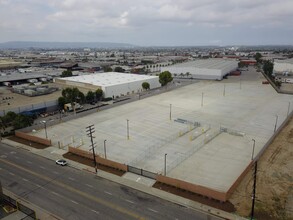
(242, 106)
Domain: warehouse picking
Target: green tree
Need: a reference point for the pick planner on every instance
(165, 77)
(268, 68)
(258, 57)
(61, 102)
(72, 95)
(22, 121)
(145, 85)
(90, 96)
(107, 69)
(8, 118)
(187, 74)
(99, 94)
(119, 69)
(241, 64)
(66, 73)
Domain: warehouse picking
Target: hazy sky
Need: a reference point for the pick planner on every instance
(149, 22)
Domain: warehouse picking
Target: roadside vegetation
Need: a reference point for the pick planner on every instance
(12, 121)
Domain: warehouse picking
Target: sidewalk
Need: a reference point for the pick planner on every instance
(53, 153)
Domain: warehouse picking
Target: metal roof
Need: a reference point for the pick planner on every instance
(108, 78)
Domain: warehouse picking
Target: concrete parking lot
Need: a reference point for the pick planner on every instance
(208, 140)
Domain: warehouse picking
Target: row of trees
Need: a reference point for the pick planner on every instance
(14, 121)
(268, 69)
(72, 95)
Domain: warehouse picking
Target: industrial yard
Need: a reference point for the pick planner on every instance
(207, 142)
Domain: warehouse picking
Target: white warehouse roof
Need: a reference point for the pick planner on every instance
(112, 83)
(109, 78)
(204, 68)
(283, 65)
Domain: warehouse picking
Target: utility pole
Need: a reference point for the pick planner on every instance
(253, 191)
(90, 130)
(201, 99)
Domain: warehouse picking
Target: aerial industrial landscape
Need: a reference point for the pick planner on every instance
(97, 130)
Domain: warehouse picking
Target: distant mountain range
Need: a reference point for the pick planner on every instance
(61, 45)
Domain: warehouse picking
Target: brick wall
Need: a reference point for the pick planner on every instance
(32, 138)
(201, 190)
(99, 159)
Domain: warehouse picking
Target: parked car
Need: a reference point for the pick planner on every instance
(61, 162)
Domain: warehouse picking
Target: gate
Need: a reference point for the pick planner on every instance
(141, 172)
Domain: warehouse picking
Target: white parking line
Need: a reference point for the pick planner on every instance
(42, 167)
(153, 210)
(108, 193)
(24, 179)
(55, 172)
(89, 185)
(29, 162)
(129, 201)
(71, 178)
(74, 202)
(95, 211)
(12, 174)
(16, 157)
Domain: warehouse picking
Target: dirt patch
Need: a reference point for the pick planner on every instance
(274, 186)
(27, 142)
(225, 206)
(90, 163)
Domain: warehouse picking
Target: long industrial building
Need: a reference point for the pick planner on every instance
(112, 83)
(212, 69)
(283, 65)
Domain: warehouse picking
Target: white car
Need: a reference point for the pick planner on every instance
(61, 162)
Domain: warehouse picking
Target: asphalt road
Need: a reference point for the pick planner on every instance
(74, 194)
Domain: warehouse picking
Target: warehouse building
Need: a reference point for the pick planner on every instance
(113, 84)
(283, 66)
(213, 69)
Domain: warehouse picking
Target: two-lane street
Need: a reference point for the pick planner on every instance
(74, 194)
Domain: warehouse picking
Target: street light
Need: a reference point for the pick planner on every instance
(165, 167)
(276, 123)
(45, 125)
(224, 91)
(253, 149)
(127, 129)
(105, 149)
(170, 112)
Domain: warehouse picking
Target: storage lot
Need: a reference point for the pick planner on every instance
(241, 105)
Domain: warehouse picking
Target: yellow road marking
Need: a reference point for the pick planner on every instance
(98, 200)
